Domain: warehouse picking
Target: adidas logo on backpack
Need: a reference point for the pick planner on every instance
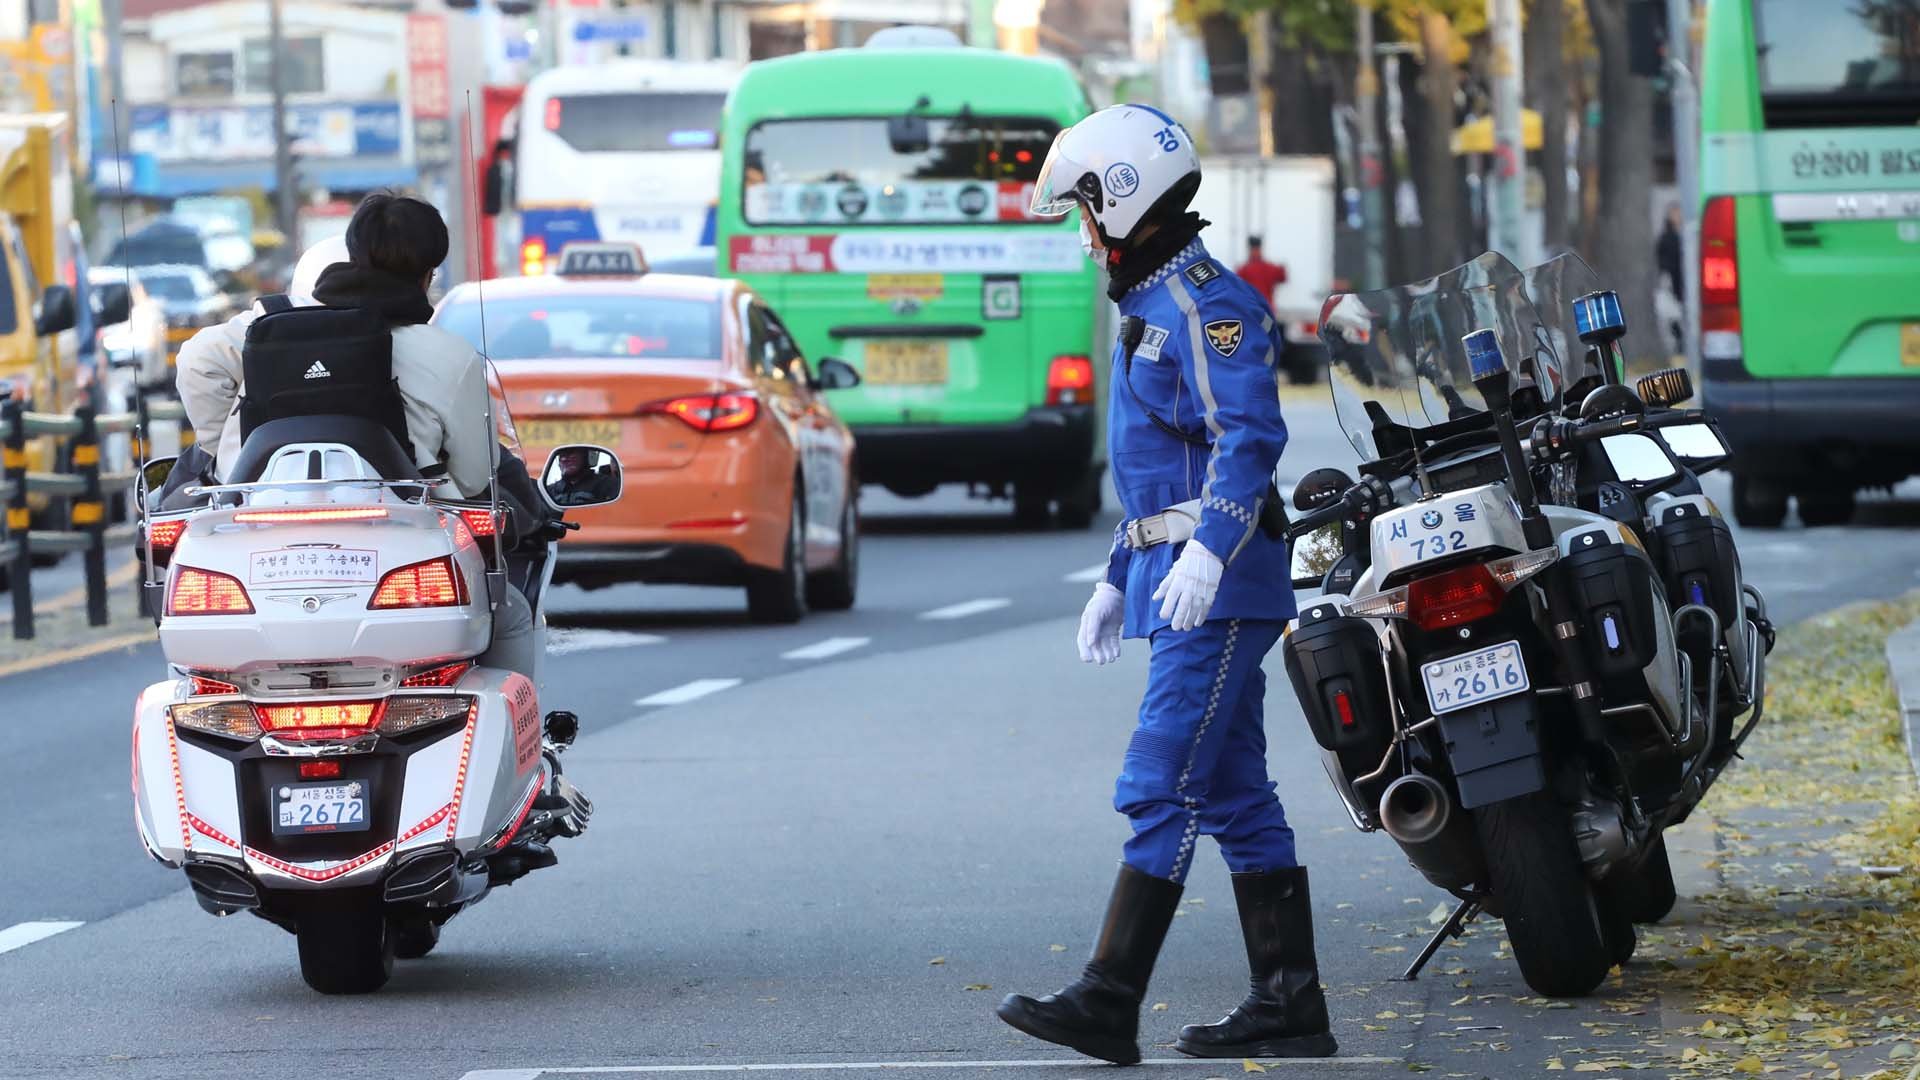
(318, 371)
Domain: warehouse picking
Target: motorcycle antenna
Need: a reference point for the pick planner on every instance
(496, 577)
(141, 431)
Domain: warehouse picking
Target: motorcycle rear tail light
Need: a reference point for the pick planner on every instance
(1391, 604)
(442, 676)
(1513, 571)
(481, 522)
(319, 719)
(320, 770)
(205, 686)
(309, 516)
(166, 534)
(434, 583)
(1454, 597)
(1070, 380)
(232, 719)
(204, 592)
(708, 412)
(411, 713)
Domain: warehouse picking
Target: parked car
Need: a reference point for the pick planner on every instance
(738, 470)
(189, 297)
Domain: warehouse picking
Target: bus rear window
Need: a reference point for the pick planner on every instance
(851, 171)
(635, 123)
(1823, 64)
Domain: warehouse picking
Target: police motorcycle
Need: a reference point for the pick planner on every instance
(1534, 641)
(327, 752)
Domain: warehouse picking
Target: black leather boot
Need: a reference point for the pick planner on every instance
(1286, 1014)
(1099, 1015)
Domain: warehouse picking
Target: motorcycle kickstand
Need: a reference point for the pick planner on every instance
(1455, 926)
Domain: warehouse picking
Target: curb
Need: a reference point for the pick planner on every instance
(1903, 667)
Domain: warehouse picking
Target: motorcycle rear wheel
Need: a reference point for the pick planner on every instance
(1647, 894)
(1553, 917)
(345, 949)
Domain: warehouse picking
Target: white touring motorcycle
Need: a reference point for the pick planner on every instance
(328, 753)
(1534, 647)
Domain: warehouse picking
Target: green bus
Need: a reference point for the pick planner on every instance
(1810, 249)
(877, 198)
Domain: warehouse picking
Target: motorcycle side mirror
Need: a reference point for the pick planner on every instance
(580, 475)
(1698, 446)
(1320, 487)
(1637, 460)
(1314, 554)
(153, 477)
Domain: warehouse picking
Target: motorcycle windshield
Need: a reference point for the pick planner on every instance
(1395, 353)
(1553, 286)
(503, 426)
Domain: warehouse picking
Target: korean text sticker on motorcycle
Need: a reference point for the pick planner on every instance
(312, 565)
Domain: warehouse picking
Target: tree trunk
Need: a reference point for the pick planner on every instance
(1623, 245)
(1441, 196)
(1303, 93)
(1547, 92)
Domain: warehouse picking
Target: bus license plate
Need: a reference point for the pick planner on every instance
(1471, 678)
(321, 808)
(906, 363)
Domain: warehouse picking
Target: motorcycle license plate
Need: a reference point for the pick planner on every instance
(1468, 679)
(320, 808)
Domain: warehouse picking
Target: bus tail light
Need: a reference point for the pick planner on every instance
(533, 256)
(1070, 380)
(708, 412)
(1719, 281)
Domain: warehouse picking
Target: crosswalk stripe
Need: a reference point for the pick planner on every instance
(691, 691)
(820, 650)
(26, 933)
(970, 607)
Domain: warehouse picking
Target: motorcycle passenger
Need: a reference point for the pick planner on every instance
(393, 245)
(1194, 433)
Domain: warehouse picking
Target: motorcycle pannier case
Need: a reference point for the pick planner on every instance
(1702, 566)
(1334, 662)
(1613, 588)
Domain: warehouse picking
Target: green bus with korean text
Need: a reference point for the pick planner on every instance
(877, 197)
(1810, 249)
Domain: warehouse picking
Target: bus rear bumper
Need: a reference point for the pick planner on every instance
(1050, 444)
(1860, 429)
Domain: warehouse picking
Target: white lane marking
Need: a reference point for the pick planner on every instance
(587, 639)
(686, 692)
(26, 933)
(820, 650)
(970, 607)
(1096, 572)
(1279, 1065)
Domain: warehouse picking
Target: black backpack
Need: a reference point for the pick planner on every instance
(319, 361)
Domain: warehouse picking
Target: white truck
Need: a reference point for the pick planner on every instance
(1289, 203)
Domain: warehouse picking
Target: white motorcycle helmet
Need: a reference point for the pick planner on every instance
(306, 272)
(1127, 164)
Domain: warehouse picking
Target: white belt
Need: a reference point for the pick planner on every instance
(1173, 525)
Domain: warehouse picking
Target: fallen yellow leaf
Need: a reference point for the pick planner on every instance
(937, 961)
(1252, 1066)
(1751, 1064)
(1555, 1065)
(1056, 948)
(1386, 1014)
(1159, 1006)
(976, 986)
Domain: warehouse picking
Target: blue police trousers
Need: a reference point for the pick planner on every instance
(1198, 760)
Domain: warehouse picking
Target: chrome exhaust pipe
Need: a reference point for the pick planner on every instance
(1436, 836)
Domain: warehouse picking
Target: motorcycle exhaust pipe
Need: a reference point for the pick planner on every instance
(1436, 835)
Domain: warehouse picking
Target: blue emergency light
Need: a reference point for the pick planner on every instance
(1597, 317)
(1483, 353)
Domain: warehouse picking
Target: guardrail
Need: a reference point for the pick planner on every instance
(85, 492)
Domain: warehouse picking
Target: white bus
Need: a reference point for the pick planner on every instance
(628, 150)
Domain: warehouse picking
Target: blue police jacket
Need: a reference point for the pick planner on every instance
(1205, 366)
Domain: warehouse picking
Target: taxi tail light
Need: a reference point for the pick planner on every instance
(1719, 271)
(1070, 380)
(433, 583)
(533, 257)
(1454, 597)
(204, 592)
(708, 412)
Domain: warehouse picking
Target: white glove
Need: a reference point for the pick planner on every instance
(1188, 591)
(1100, 625)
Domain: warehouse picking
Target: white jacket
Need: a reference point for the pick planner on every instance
(443, 384)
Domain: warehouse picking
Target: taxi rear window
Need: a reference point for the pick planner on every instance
(587, 327)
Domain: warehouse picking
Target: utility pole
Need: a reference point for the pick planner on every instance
(1366, 91)
(286, 198)
(1686, 166)
(1506, 201)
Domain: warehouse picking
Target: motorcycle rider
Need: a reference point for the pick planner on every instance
(393, 245)
(1194, 433)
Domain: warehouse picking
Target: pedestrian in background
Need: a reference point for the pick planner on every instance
(1261, 274)
(1194, 435)
(1668, 254)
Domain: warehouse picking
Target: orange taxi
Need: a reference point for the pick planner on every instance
(737, 470)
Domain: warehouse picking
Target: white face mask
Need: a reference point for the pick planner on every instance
(1086, 240)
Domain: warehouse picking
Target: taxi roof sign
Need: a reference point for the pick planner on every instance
(601, 259)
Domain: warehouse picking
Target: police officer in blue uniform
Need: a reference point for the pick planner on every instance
(1195, 433)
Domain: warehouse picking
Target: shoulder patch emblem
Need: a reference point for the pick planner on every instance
(1202, 272)
(1224, 335)
(1150, 343)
